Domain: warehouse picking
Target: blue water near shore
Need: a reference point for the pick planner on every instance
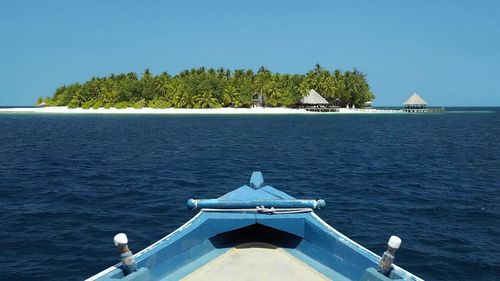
(68, 183)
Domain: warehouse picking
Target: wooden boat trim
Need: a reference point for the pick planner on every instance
(147, 249)
(371, 255)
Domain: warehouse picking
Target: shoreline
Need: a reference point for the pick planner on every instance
(209, 111)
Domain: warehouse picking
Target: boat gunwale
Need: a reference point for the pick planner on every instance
(147, 249)
(369, 254)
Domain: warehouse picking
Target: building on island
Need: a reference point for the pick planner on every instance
(315, 102)
(258, 100)
(415, 104)
(314, 99)
(42, 104)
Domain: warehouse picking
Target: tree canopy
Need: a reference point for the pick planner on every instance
(213, 88)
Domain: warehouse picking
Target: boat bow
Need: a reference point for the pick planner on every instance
(255, 214)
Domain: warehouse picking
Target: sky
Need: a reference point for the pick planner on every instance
(447, 51)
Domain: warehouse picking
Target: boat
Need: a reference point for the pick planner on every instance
(255, 232)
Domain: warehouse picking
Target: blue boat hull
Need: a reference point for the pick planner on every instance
(215, 231)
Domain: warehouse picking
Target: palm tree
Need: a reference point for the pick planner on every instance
(179, 93)
(207, 100)
(262, 78)
(317, 68)
(223, 74)
(184, 101)
(111, 96)
(272, 93)
(229, 96)
(262, 69)
(162, 85)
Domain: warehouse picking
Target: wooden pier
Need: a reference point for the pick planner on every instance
(322, 109)
(424, 110)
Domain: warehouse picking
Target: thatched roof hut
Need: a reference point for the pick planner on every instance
(415, 101)
(313, 98)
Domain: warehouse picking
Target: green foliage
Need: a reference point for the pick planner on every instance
(122, 105)
(98, 104)
(207, 100)
(87, 104)
(73, 103)
(139, 104)
(159, 103)
(210, 88)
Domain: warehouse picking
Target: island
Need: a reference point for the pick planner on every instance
(203, 88)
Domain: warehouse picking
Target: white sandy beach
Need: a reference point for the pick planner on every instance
(226, 110)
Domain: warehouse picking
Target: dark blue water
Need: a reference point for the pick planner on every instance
(68, 183)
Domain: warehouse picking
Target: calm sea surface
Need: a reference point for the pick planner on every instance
(68, 183)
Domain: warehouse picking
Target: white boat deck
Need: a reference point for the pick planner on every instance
(255, 261)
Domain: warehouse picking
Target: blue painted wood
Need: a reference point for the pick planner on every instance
(256, 180)
(293, 225)
(196, 204)
(277, 193)
(210, 234)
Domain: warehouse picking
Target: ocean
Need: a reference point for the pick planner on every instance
(69, 183)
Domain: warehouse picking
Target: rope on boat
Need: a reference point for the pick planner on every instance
(262, 210)
(197, 204)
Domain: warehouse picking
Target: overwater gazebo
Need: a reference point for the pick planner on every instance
(415, 103)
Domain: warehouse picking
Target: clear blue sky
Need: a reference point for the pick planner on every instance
(448, 51)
